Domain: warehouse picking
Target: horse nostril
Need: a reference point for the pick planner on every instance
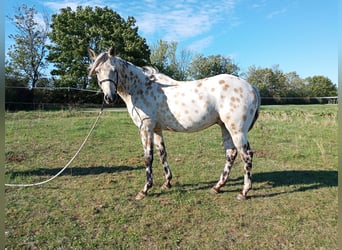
(108, 99)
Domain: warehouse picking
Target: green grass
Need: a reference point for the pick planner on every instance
(293, 203)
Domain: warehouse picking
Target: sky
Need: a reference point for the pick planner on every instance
(297, 35)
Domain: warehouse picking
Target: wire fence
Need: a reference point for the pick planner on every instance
(56, 98)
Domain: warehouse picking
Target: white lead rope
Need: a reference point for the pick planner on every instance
(67, 165)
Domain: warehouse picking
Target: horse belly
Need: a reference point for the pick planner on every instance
(188, 120)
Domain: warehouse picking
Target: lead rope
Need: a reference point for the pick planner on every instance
(68, 164)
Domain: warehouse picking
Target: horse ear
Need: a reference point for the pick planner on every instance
(92, 54)
(112, 52)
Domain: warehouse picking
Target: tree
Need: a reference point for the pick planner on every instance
(320, 86)
(73, 32)
(164, 58)
(202, 66)
(27, 54)
(295, 85)
(271, 82)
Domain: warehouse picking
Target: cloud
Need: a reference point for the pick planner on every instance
(201, 44)
(183, 20)
(276, 13)
(57, 5)
(42, 20)
(189, 21)
(167, 20)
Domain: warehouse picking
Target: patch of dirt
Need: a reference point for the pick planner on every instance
(14, 157)
(264, 154)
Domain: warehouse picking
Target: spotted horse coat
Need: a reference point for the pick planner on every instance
(156, 102)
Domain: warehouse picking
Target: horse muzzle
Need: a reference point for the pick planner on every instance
(109, 90)
(109, 98)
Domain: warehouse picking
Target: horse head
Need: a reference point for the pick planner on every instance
(107, 76)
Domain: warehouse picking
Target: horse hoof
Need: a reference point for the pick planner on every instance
(241, 197)
(141, 195)
(214, 191)
(166, 185)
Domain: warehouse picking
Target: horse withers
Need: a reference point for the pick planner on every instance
(156, 102)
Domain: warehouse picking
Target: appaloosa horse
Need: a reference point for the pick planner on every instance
(156, 102)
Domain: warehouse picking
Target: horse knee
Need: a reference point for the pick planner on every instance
(148, 158)
(247, 155)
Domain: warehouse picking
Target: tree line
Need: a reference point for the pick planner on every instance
(62, 42)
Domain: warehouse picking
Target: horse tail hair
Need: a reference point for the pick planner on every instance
(258, 99)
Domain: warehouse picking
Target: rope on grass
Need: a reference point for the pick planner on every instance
(68, 164)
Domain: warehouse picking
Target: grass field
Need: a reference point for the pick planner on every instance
(293, 202)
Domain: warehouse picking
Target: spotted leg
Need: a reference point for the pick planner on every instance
(231, 153)
(147, 141)
(241, 143)
(247, 157)
(160, 146)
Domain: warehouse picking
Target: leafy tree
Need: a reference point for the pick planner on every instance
(272, 82)
(202, 66)
(320, 86)
(295, 85)
(27, 54)
(73, 32)
(164, 57)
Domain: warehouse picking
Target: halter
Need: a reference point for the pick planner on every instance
(112, 81)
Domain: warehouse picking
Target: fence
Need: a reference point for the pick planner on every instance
(21, 98)
(299, 100)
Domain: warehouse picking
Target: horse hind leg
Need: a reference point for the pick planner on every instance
(160, 146)
(247, 158)
(231, 154)
(241, 143)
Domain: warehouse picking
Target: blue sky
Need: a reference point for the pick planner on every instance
(297, 35)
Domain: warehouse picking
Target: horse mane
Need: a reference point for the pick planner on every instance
(151, 72)
(101, 58)
(154, 74)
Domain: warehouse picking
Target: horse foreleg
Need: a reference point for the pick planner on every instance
(160, 145)
(247, 157)
(147, 140)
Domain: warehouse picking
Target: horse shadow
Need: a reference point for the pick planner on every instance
(75, 171)
(263, 182)
(299, 180)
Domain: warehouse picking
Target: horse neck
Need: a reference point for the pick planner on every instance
(131, 79)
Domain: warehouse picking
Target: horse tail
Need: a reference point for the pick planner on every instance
(258, 100)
